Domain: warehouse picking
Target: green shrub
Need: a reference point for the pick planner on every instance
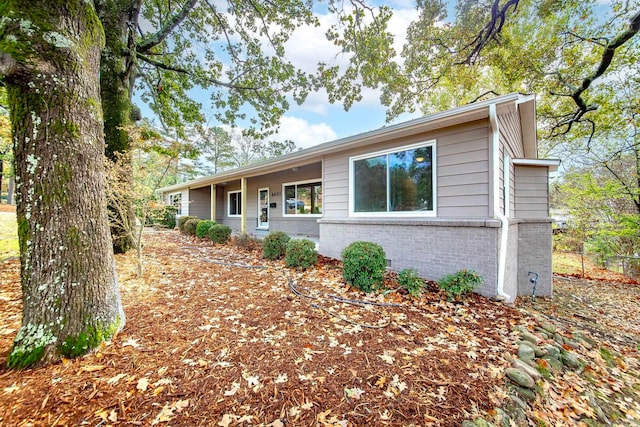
(220, 233)
(301, 253)
(460, 283)
(274, 246)
(409, 280)
(364, 264)
(191, 226)
(159, 214)
(202, 229)
(182, 220)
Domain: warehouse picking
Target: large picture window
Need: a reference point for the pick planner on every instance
(235, 203)
(394, 182)
(303, 198)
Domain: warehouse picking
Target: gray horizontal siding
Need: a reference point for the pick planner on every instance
(531, 192)
(462, 160)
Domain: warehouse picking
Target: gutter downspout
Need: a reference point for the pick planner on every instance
(504, 229)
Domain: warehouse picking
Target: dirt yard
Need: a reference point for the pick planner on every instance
(217, 336)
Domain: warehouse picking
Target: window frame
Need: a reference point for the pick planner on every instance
(387, 214)
(284, 198)
(239, 203)
(178, 206)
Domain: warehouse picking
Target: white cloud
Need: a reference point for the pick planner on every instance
(303, 133)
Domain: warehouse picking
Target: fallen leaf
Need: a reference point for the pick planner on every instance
(92, 368)
(143, 384)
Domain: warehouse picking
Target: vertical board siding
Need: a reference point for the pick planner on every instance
(532, 192)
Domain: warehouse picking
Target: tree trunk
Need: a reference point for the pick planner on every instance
(117, 69)
(49, 55)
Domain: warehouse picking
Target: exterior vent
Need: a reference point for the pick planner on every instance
(388, 262)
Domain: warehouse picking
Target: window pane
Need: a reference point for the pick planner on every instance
(235, 204)
(370, 184)
(290, 199)
(303, 201)
(411, 180)
(316, 198)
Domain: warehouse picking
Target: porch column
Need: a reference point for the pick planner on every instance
(243, 205)
(213, 202)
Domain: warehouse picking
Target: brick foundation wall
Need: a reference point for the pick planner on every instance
(432, 247)
(534, 254)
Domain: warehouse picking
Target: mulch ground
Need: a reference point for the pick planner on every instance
(215, 335)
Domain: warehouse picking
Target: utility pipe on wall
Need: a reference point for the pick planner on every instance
(504, 229)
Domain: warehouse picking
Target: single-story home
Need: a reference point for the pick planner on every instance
(459, 189)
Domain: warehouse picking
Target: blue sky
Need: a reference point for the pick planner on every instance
(317, 121)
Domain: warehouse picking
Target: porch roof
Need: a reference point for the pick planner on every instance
(455, 116)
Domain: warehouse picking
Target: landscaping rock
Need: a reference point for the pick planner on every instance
(558, 338)
(552, 351)
(520, 377)
(527, 393)
(525, 352)
(544, 334)
(570, 360)
(537, 350)
(467, 423)
(516, 402)
(528, 336)
(549, 327)
(481, 422)
(502, 418)
(531, 371)
(555, 364)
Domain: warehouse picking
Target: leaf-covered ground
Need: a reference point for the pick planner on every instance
(217, 336)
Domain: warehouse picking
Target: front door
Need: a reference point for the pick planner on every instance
(263, 208)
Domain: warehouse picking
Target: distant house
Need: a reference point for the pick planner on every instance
(460, 189)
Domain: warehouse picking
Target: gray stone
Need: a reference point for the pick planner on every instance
(531, 371)
(555, 364)
(481, 422)
(528, 336)
(518, 402)
(552, 351)
(502, 418)
(572, 344)
(520, 377)
(548, 327)
(537, 350)
(544, 334)
(558, 338)
(527, 393)
(525, 352)
(467, 423)
(570, 360)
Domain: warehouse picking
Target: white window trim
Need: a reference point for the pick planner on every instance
(179, 207)
(229, 214)
(409, 214)
(284, 199)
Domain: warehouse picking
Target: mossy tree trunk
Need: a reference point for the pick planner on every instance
(117, 74)
(49, 60)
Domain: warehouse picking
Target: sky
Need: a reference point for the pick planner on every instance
(316, 120)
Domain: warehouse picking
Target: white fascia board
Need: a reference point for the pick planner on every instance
(552, 164)
(387, 132)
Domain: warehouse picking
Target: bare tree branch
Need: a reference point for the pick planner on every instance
(490, 32)
(158, 37)
(180, 70)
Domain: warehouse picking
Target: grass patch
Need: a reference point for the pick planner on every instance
(8, 236)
